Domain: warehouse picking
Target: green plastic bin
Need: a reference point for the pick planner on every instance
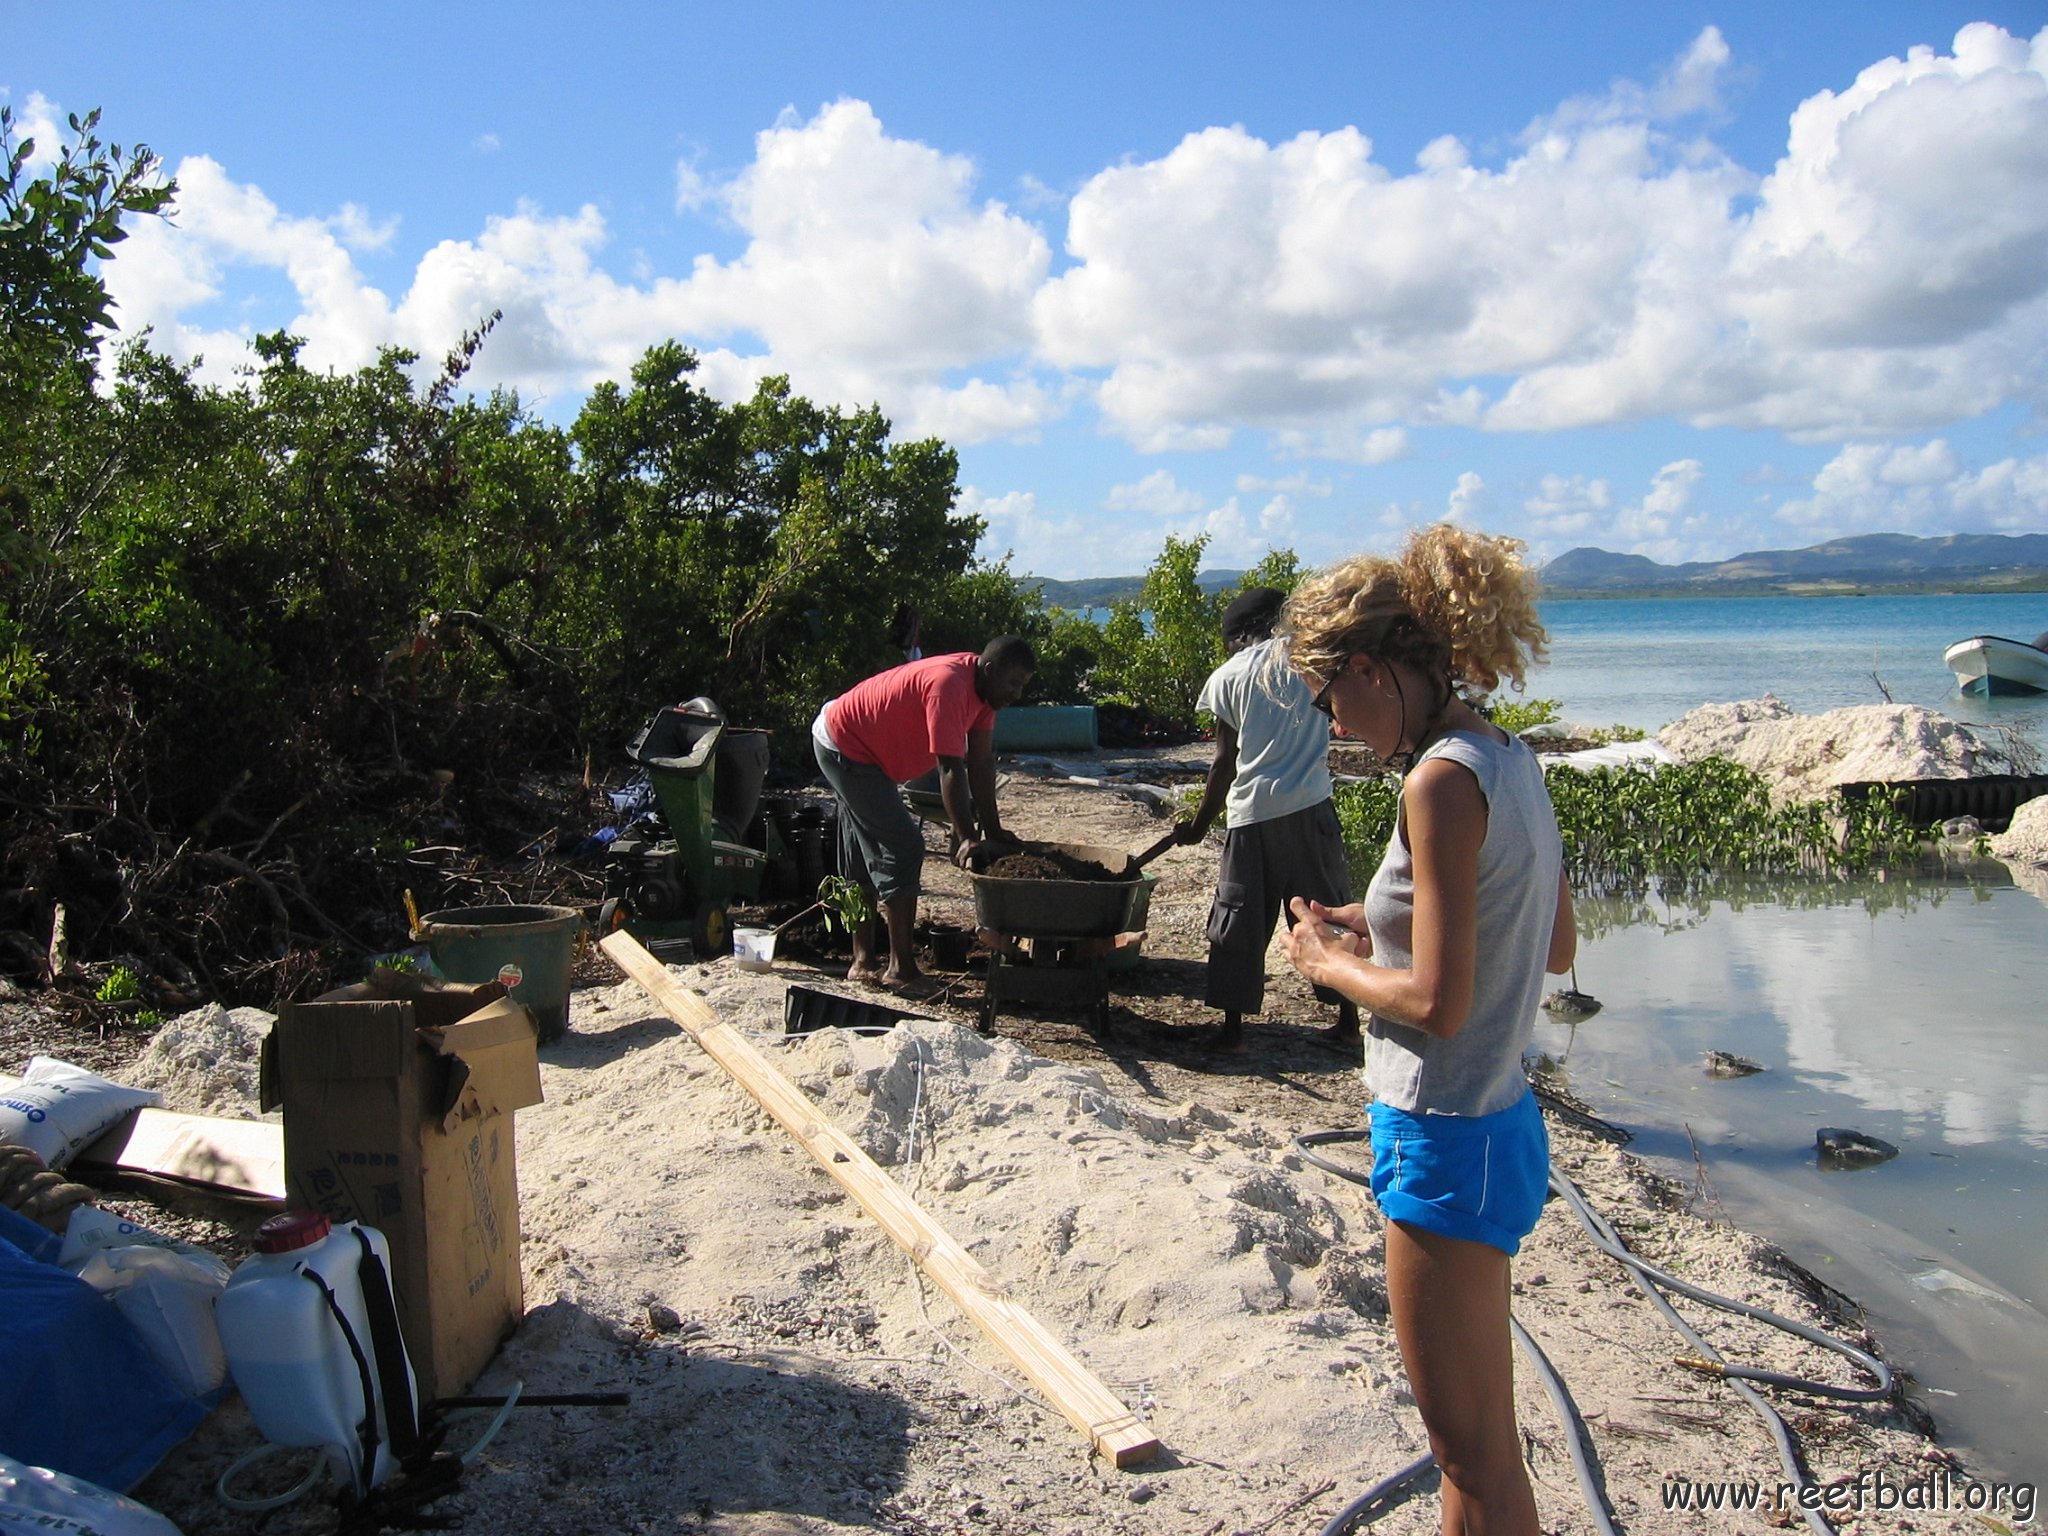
(528, 947)
(1046, 728)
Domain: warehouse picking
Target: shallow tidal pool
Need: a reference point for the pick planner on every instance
(1915, 1011)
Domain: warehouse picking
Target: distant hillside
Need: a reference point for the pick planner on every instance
(1871, 561)
(1101, 591)
(1874, 560)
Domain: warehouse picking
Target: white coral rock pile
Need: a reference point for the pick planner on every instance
(1802, 757)
(2026, 840)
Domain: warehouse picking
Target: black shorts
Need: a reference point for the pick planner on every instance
(1264, 865)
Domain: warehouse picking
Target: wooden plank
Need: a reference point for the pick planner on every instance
(1115, 1431)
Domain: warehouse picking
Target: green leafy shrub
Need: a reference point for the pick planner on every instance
(332, 583)
(122, 985)
(1694, 826)
(1159, 647)
(1366, 811)
(1713, 819)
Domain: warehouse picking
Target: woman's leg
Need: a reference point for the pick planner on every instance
(1449, 1299)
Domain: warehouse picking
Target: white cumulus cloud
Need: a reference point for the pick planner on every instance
(1889, 270)
(871, 274)
(165, 269)
(1925, 489)
(1159, 494)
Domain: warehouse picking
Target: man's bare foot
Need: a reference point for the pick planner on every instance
(865, 974)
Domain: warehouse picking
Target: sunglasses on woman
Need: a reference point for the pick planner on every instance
(1322, 699)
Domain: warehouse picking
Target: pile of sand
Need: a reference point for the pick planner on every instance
(205, 1062)
(1802, 757)
(1184, 1250)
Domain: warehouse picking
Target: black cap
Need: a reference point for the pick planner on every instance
(1251, 613)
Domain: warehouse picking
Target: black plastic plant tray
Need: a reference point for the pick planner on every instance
(804, 1009)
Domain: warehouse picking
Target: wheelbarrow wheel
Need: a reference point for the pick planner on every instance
(612, 915)
(710, 933)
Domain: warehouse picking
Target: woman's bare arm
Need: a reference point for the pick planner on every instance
(1564, 932)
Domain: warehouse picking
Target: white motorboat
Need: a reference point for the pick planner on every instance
(1990, 664)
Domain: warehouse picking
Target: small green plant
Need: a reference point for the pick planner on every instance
(1613, 733)
(121, 986)
(404, 963)
(149, 1018)
(1516, 715)
(842, 900)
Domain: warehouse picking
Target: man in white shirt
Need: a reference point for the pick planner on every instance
(1270, 779)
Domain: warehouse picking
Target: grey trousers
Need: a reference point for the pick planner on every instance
(878, 837)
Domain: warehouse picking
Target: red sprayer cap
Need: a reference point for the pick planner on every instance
(294, 1229)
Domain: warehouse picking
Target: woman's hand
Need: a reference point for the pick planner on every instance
(1317, 945)
(1349, 916)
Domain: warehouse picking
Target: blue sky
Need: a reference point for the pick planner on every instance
(1681, 280)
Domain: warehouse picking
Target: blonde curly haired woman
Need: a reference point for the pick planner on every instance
(1447, 952)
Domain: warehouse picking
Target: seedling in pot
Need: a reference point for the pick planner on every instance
(840, 901)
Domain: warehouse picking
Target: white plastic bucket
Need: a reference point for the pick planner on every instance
(754, 948)
(291, 1360)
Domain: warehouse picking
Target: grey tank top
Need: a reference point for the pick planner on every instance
(1479, 1069)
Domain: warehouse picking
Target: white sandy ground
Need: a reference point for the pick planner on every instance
(790, 1371)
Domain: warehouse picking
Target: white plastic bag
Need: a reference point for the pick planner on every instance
(35, 1501)
(168, 1299)
(57, 1108)
(91, 1229)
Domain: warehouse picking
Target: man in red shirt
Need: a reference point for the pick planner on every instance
(891, 729)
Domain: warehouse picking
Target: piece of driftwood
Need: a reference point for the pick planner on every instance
(1116, 1432)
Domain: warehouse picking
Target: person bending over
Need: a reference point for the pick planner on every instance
(1467, 911)
(1270, 778)
(893, 728)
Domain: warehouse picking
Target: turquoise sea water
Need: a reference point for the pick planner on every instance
(1910, 1010)
(1644, 663)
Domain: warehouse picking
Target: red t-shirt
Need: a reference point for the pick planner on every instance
(904, 720)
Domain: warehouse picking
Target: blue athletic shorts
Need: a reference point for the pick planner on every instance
(1477, 1177)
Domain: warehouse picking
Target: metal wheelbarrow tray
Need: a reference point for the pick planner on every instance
(1067, 909)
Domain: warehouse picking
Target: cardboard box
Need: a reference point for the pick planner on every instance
(398, 1099)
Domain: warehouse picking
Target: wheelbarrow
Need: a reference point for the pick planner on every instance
(681, 878)
(1070, 925)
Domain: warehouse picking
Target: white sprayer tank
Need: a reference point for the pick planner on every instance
(289, 1356)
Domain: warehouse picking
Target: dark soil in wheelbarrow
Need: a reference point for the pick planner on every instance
(1047, 864)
